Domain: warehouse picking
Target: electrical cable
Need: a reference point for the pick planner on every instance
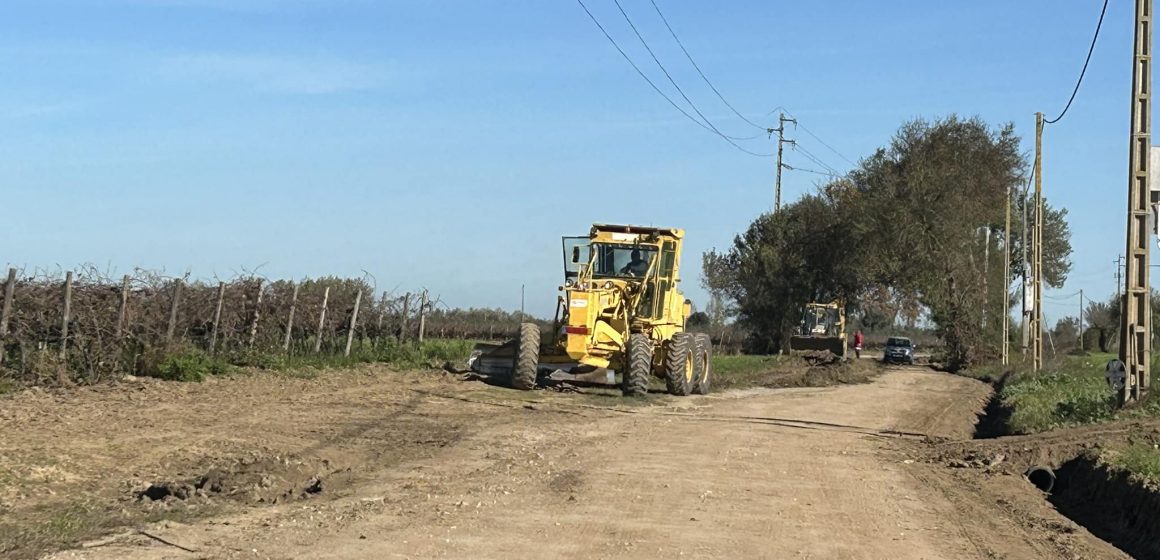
(1085, 65)
(699, 71)
(654, 86)
(797, 124)
(665, 71)
(814, 171)
(815, 159)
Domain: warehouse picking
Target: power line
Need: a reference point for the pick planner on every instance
(1085, 65)
(698, 67)
(665, 71)
(811, 133)
(1063, 298)
(654, 86)
(814, 171)
(809, 155)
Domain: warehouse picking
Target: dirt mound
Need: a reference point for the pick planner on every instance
(255, 480)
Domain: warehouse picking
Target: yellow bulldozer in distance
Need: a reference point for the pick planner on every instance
(620, 312)
(823, 327)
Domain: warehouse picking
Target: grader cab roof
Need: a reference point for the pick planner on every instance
(638, 230)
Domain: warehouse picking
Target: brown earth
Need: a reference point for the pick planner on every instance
(378, 464)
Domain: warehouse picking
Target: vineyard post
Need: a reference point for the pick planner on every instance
(422, 315)
(6, 309)
(353, 322)
(172, 328)
(67, 315)
(290, 320)
(217, 317)
(321, 321)
(256, 317)
(379, 328)
(124, 308)
(406, 314)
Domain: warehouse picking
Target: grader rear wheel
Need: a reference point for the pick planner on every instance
(680, 360)
(704, 365)
(639, 366)
(527, 362)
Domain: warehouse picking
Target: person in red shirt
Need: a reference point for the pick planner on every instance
(858, 343)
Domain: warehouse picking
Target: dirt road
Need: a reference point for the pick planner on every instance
(359, 468)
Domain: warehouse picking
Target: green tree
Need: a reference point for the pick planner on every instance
(917, 227)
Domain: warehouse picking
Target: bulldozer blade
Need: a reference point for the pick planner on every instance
(832, 344)
(597, 376)
(492, 359)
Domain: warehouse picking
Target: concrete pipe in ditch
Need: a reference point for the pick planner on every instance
(1042, 477)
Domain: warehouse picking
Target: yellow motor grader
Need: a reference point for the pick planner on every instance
(620, 312)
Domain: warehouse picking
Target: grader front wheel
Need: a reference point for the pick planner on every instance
(640, 357)
(527, 361)
(680, 364)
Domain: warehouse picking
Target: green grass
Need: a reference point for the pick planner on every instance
(192, 364)
(740, 371)
(1070, 391)
(1142, 460)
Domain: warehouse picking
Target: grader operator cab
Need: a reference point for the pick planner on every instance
(620, 312)
(823, 327)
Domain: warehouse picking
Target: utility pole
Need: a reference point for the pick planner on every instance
(1007, 282)
(1081, 320)
(781, 142)
(1037, 253)
(1026, 264)
(1119, 282)
(1135, 327)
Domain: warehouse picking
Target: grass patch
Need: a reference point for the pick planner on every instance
(1070, 391)
(1141, 460)
(741, 371)
(193, 364)
(61, 526)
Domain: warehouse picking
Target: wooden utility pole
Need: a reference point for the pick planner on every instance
(1007, 281)
(1135, 327)
(781, 142)
(1037, 253)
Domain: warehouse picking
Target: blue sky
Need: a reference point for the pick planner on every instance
(448, 144)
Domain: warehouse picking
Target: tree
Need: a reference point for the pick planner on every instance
(698, 320)
(1103, 319)
(917, 227)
